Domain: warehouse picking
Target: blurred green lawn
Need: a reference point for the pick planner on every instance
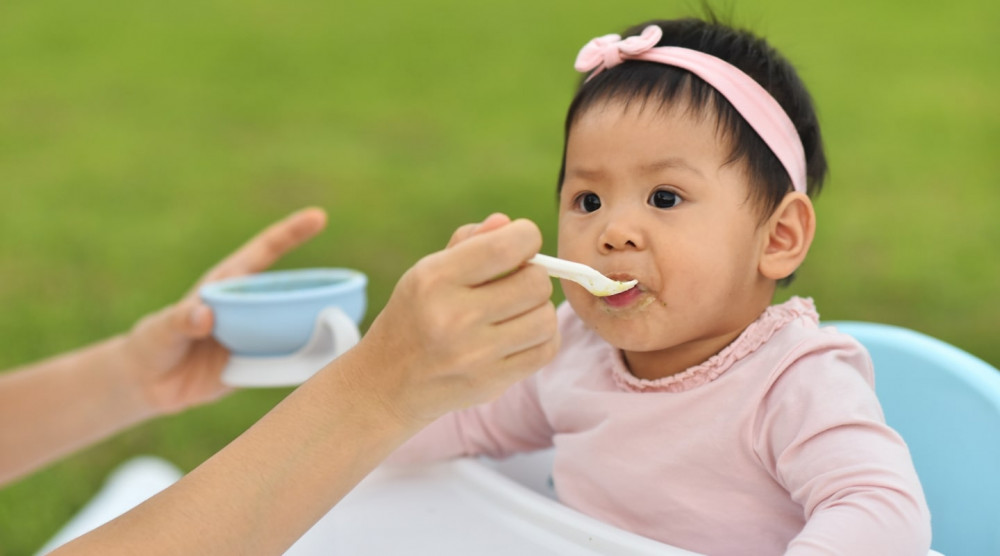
(141, 141)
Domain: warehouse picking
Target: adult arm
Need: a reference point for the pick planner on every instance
(450, 336)
(167, 362)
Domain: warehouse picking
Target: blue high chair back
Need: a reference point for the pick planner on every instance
(946, 405)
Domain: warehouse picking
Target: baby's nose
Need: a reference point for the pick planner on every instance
(621, 233)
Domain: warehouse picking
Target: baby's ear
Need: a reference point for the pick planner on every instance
(790, 232)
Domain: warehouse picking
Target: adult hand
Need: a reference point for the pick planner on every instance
(171, 355)
(462, 324)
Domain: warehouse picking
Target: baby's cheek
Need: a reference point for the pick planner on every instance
(579, 299)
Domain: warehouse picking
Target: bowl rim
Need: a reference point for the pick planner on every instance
(217, 292)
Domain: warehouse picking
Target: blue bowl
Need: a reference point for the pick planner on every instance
(273, 313)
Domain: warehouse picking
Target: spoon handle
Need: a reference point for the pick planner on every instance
(560, 268)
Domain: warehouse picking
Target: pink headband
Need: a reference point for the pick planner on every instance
(752, 101)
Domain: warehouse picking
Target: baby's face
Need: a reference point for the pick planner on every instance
(648, 195)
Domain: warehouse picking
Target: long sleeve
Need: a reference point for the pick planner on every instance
(830, 448)
(514, 422)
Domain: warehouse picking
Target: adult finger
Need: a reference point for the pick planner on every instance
(539, 344)
(264, 249)
(521, 364)
(174, 326)
(512, 295)
(189, 318)
(474, 349)
(462, 233)
(530, 329)
(491, 222)
(488, 255)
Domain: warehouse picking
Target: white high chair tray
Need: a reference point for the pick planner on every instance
(462, 507)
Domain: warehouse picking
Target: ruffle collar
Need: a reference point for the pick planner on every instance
(773, 319)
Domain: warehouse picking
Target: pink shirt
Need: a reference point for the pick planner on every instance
(776, 444)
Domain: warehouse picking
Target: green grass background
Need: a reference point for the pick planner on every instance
(140, 141)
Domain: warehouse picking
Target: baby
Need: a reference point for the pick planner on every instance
(689, 409)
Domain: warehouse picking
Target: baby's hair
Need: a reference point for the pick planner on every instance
(642, 81)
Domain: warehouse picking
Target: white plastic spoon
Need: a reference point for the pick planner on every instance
(595, 282)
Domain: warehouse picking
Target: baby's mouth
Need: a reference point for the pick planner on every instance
(627, 297)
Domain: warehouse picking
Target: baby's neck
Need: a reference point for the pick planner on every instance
(654, 365)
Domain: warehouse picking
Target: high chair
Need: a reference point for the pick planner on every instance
(946, 405)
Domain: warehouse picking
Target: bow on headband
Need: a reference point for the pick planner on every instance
(610, 50)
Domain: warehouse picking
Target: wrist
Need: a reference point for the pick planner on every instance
(372, 380)
(121, 369)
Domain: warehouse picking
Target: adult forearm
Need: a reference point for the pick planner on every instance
(54, 407)
(264, 490)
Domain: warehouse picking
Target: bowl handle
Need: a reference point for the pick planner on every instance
(333, 334)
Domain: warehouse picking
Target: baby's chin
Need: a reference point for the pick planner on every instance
(630, 343)
(625, 330)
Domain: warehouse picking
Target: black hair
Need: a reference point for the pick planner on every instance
(642, 81)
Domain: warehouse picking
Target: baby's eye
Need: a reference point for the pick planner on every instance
(588, 202)
(662, 198)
